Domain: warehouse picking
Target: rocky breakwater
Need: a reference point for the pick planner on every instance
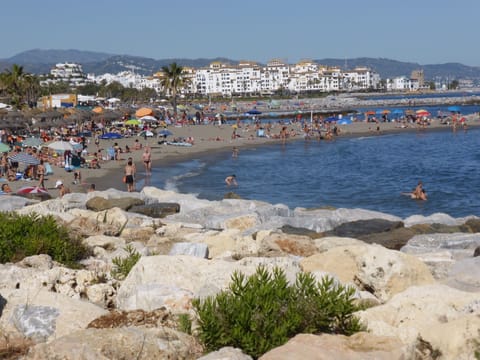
(416, 277)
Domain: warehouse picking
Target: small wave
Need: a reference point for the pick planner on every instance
(173, 182)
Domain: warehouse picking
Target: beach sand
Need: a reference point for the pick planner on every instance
(207, 139)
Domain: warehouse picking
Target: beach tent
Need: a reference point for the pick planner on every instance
(344, 122)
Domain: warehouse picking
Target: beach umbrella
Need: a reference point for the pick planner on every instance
(143, 112)
(148, 118)
(34, 192)
(165, 132)
(98, 110)
(32, 141)
(24, 158)
(331, 119)
(253, 112)
(371, 112)
(454, 108)
(146, 133)
(344, 122)
(422, 112)
(4, 147)
(60, 146)
(397, 112)
(133, 122)
(111, 135)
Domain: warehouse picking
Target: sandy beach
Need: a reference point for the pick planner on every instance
(207, 139)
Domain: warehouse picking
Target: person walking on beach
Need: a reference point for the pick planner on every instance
(231, 180)
(41, 174)
(129, 176)
(147, 160)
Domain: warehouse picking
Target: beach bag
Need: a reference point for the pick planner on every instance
(124, 179)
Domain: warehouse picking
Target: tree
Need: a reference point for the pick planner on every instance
(172, 81)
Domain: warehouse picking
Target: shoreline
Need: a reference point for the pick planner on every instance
(110, 175)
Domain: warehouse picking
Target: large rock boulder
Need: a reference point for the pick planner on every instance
(226, 353)
(424, 312)
(325, 347)
(465, 275)
(172, 281)
(156, 210)
(99, 203)
(119, 343)
(373, 268)
(43, 315)
(280, 244)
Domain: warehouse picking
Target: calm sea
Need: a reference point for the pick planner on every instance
(368, 172)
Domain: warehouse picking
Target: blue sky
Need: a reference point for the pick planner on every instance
(420, 31)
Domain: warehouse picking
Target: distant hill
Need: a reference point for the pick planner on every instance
(391, 68)
(40, 61)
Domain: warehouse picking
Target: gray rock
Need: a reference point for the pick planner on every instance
(465, 275)
(37, 322)
(3, 302)
(225, 353)
(156, 210)
(192, 249)
(390, 234)
(288, 229)
(476, 252)
(11, 203)
(461, 245)
(99, 203)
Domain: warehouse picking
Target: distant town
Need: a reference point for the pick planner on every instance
(250, 79)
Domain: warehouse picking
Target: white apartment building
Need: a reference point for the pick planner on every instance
(246, 78)
(402, 83)
(70, 73)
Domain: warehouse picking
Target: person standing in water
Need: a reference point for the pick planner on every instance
(419, 192)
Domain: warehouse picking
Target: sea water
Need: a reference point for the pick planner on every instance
(369, 172)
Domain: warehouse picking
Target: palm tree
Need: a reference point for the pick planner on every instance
(15, 79)
(172, 81)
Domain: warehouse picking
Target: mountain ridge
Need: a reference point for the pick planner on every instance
(40, 61)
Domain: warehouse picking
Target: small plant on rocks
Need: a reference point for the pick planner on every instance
(124, 265)
(263, 311)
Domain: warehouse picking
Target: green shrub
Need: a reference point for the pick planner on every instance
(185, 323)
(124, 265)
(264, 311)
(27, 235)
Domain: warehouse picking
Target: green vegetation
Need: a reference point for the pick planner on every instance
(124, 265)
(263, 311)
(27, 235)
(185, 323)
